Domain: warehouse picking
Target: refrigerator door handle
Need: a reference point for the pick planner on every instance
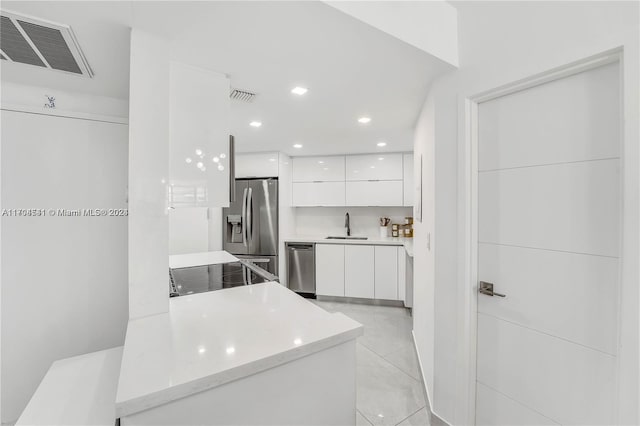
(244, 217)
(250, 217)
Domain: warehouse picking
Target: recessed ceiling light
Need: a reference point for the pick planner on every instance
(380, 158)
(381, 144)
(255, 124)
(320, 162)
(299, 90)
(272, 159)
(364, 120)
(297, 145)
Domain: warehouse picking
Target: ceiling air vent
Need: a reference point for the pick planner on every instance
(45, 44)
(242, 95)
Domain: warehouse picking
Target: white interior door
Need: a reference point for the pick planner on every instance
(549, 237)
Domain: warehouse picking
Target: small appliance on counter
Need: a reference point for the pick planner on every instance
(203, 278)
(403, 229)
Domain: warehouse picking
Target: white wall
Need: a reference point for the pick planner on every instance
(501, 42)
(424, 277)
(325, 221)
(64, 279)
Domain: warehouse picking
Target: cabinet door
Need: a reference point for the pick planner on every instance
(409, 186)
(359, 271)
(378, 193)
(386, 272)
(198, 137)
(261, 164)
(318, 169)
(330, 270)
(318, 194)
(374, 167)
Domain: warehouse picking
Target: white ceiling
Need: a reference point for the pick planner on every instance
(350, 68)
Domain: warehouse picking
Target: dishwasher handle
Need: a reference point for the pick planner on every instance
(300, 246)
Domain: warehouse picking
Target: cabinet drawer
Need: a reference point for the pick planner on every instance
(318, 194)
(318, 169)
(376, 193)
(374, 167)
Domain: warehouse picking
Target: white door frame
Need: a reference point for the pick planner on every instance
(469, 231)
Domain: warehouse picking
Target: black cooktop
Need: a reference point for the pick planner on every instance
(199, 279)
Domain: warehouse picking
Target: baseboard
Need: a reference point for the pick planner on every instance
(434, 418)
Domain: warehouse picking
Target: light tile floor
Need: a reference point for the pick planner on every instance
(389, 385)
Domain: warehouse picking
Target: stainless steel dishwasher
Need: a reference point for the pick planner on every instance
(301, 268)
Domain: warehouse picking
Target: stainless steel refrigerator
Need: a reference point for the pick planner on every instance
(250, 224)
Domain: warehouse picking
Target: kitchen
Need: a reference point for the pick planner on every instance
(274, 176)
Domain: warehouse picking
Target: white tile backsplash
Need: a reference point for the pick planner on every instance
(324, 221)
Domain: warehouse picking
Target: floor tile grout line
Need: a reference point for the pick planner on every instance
(365, 417)
(415, 412)
(390, 363)
(398, 367)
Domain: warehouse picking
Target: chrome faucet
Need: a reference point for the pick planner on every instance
(347, 224)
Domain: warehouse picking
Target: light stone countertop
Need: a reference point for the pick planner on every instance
(407, 243)
(209, 339)
(199, 259)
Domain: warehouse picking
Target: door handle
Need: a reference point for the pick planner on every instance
(487, 289)
(244, 217)
(232, 169)
(250, 217)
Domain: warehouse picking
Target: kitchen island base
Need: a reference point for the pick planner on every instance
(318, 389)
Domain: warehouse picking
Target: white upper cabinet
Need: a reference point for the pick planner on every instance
(318, 194)
(198, 137)
(259, 164)
(318, 169)
(374, 167)
(374, 193)
(409, 185)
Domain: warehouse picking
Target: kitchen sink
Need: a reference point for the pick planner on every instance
(346, 238)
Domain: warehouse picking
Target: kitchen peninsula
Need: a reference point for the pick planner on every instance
(256, 354)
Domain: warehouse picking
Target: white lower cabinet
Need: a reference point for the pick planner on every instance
(362, 271)
(313, 194)
(386, 272)
(330, 270)
(359, 274)
(402, 275)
